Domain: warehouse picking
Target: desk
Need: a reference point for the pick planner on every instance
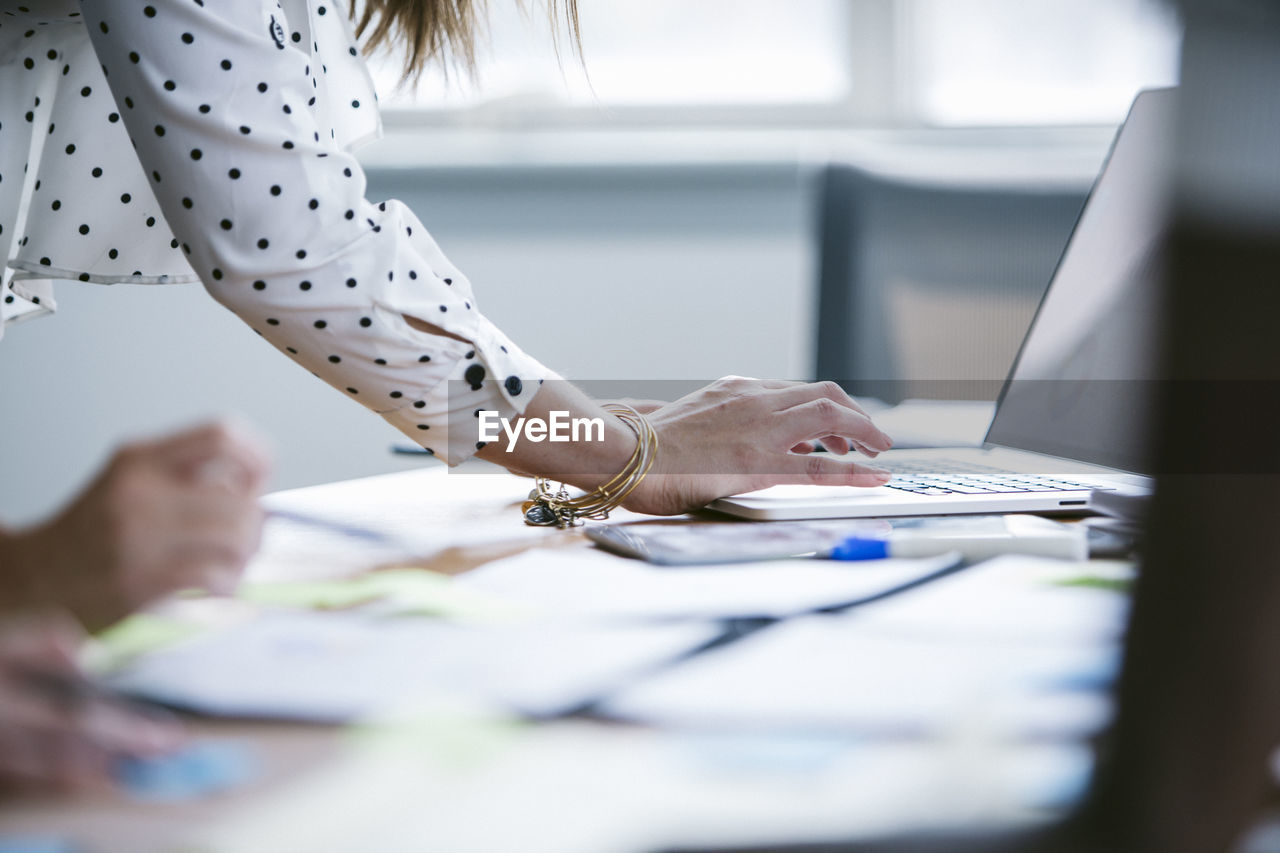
(478, 781)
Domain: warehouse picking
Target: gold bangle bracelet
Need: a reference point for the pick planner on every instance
(553, 507)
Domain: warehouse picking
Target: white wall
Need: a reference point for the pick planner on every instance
(602, 272)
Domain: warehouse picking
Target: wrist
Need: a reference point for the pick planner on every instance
(549, 506)
(598, 447)
(599, 461)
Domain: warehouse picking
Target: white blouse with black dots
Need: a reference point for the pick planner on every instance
(209, 140)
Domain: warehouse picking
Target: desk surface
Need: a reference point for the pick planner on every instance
(478, 780)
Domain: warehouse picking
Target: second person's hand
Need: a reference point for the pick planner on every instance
(175, 513)
(55, 733)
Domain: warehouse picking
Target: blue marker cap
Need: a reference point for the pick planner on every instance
(857, 548)
(199, 769)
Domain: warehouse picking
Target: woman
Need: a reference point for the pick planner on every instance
(210, 140)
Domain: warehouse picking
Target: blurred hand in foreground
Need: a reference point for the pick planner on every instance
(56, 731)
(174, 513)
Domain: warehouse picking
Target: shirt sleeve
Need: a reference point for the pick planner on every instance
(224, 109)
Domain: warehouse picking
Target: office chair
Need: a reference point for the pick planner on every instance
(922, 280)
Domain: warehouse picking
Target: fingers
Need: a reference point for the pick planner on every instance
(871, 441)
(44, 759)
(47, 640)
(118, 728)
(204, 518)
(825, 471)
(56, 729)
(214, 528)
(794, 393)
(172, 535)
(850, 426)
(44, 743)
(207, 543)
(831, 443)
(739, 435)
(211, 567)
(837, 444)
(812, 420)
(225, 454)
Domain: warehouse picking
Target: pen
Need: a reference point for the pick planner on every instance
(342, 528)
(857, 548)
(1014, 534)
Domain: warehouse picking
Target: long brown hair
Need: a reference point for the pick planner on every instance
(430, 30)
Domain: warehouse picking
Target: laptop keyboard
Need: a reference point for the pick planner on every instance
(947, 477)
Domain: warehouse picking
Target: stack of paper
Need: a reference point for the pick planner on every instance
(404, 509)
(578, 626)
(1007, 649)
(340, 666)
(826, 673)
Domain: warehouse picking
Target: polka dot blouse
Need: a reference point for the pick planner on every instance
(209, 140)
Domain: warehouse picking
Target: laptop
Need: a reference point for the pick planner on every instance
(1071, 416)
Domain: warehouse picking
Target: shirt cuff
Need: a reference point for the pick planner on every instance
(492, 375)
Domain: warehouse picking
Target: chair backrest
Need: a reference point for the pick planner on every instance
(922, 281)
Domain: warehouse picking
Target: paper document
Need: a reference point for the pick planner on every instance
(821, 673)
(1014, 599)
(594, 585)
(1012, 646)
(340, 666)
(405, 511)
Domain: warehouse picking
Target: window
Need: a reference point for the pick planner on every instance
(1035, 61)
(673, 53)
(903, 62)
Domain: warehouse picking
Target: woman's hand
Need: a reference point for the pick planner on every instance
(738, 435)
(51, 734)
(181, 512)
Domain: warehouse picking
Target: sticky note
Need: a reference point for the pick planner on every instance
(403, 590)
(1098, 582)
(136, 635)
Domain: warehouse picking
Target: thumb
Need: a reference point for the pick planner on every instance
(226, 453)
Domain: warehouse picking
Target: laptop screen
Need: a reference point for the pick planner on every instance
(1081, 386)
